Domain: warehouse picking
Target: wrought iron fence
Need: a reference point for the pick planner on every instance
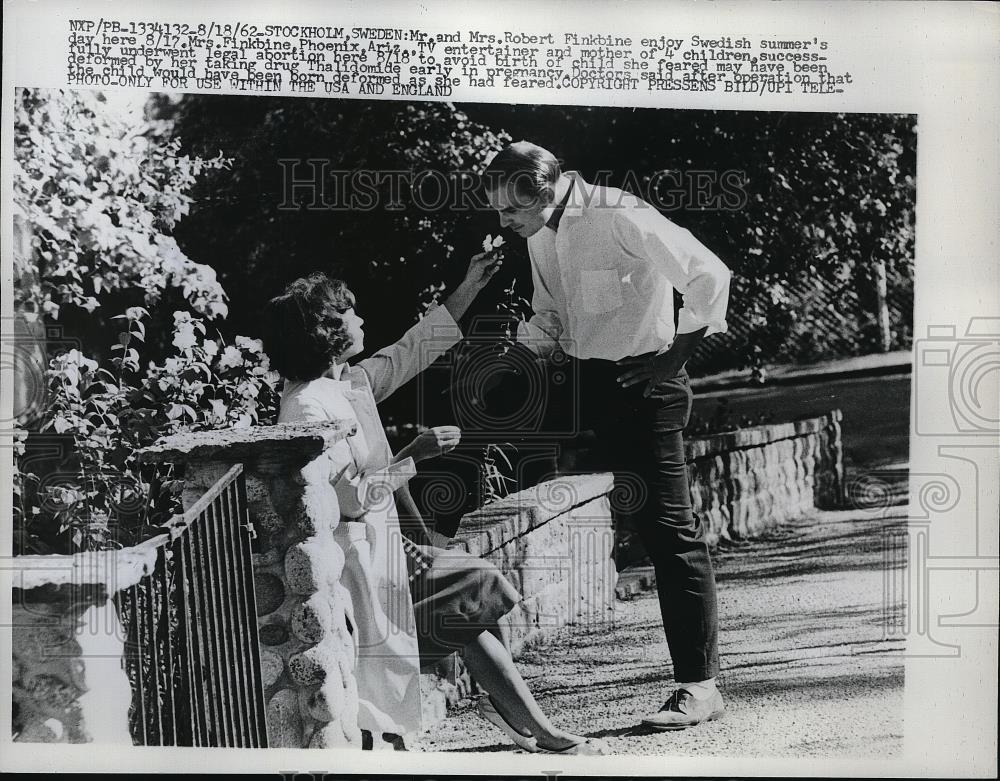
(191, 649)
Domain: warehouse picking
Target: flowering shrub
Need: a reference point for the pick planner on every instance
(103, 497)
(101, 193)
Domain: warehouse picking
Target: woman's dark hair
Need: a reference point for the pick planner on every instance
(303, 328)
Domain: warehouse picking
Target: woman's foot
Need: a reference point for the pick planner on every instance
(489, 712)
(572, 744)
(557, 742)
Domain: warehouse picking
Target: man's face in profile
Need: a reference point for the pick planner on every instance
(519, 212)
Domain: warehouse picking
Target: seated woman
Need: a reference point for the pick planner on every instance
(412, 604)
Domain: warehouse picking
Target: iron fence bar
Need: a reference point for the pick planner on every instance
(134, 634)
(149, 600)
(220, 523)
(150, 710)
(249, 598)
(222, 625)
(194, 685)
(193, 623)
(233, 532)
(211, 633)
(174, 674)
(178, 523)
(203, 649)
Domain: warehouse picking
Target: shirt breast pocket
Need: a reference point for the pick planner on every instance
(601, 289)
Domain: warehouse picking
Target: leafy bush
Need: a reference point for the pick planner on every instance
(97, 195)
(102, 196)
(103, 497)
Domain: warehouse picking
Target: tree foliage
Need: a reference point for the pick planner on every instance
(156, 218)
(97, 197)
(102, 197)
(822, 200)
(264, 224)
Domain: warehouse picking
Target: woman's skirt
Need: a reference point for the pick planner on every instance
(456, 597)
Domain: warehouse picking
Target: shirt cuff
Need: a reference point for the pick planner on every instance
(688, 322)
(376, 489)
(441, 325)
(535, 339)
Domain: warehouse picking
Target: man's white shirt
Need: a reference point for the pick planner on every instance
(604, 281)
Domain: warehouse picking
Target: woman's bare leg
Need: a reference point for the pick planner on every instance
(490, 664)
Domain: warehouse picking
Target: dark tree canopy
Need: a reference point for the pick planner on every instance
(806, 209)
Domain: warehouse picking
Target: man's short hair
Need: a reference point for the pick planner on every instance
(529, 167)
(304, 330)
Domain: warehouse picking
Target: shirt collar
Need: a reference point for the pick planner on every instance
(557, 213)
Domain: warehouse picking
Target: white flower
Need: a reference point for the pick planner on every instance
(211, 348)
(184, 337)
(231, 358)
(251, 345)
(490, 243)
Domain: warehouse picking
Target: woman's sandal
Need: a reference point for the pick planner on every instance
(489, 712)
(586, 747)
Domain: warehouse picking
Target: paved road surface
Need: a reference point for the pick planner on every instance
(807, 670)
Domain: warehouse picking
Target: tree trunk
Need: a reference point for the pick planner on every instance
(881, 286)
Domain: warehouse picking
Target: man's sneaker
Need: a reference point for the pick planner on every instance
(683, 710)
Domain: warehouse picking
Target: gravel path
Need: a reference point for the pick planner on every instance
(807, 670)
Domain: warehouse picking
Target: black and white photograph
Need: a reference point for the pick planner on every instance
(665, 360)
(464, 427)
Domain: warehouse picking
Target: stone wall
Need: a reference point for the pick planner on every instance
(306, 649)
(555, 543)
(744, 482)
(68, 683)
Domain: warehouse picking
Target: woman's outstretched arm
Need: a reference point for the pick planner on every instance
(393, 366)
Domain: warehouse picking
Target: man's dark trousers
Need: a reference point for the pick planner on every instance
(641, 441)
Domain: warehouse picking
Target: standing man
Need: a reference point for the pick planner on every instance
(604, 266)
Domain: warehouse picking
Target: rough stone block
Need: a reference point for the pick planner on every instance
(312, 564)
(272, 448)
(328, 701)
(274, 633)
(312, 620)
(333, 736)
(271, 667)
(270, 593)
(284, 722)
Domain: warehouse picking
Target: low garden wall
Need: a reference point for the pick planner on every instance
(68, 683)
(306, 649)
(555, 543)
(746, 481)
